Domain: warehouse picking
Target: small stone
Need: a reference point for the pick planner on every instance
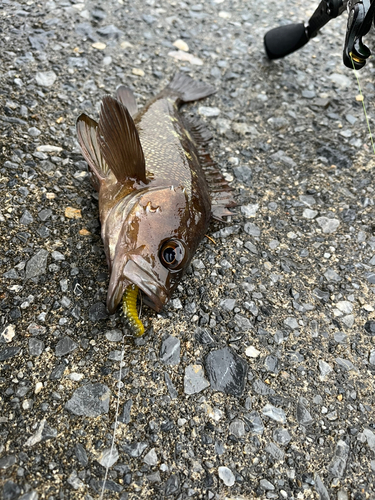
(237, 428)
(181, 45)
(292, 323)
(345, 306)
(170, 351)
(332, 275)
(171, 388)
(180, 55)
(302, 414)
(75, 481)
(135, 449)
(320, 488)
(370, 436)
(7, 461)
(276, 414)
(8, 334)
(328, 225)
(26, 218)
(108, 457)
(138, 72)
(81, 454)
(125, 415)
(228, 304)
(194, 380)
(45, 79)
(97, 312)
(227, 476)
(281, 436)
(37, 264)
(252, 352)
(275, 452)
(8, 353)
(99, 45)
(10, 491)
(34, 132)
(151, 458)
(73, 213)
(255, 422)
(90, 400)
(36, 347)
(114, 335)
(250, 228)
(338, 464)
(324, 368)
(46, 148)
(209, 112)
(172, 486)
(43, 433)
(244, 174)
(309, 214)
(243, 323)
(266, 485)
(65, 346)
(244, 129)
(226, 371)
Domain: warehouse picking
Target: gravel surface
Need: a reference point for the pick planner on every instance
(258, 377)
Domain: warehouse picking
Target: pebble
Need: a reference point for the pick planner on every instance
(194, 380)
(228, 304)
(338, 464)
(8, 333)
(37, 264)
(244, 174)
(170, 351)
(81, 454)
(252, 352)
(108, 457)
(303, 416)
(209, 112)
(181, 45)
(46, 78)
(65, 346)
(320, 488)
(328, 225)
(151, 458)
(266, 485)
(282, 436)
(125, 415)
(250, 210)
(276, 414)
(135, 449)
(90, 400)
(227, 372)
(309, 214)
(180, 55)
(43, 433)
(227, 476)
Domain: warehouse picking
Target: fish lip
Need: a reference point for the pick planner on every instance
(136, 274)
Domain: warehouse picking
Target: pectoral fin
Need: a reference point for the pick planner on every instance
(86, 131)
(119, 141)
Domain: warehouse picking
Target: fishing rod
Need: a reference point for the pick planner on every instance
(283, 40)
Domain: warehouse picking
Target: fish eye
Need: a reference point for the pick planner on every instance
(172, 254)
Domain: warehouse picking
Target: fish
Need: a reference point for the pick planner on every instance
(158, 189)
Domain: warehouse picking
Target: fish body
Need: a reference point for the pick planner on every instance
(154, 201)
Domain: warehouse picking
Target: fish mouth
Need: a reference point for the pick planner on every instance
(139, 273)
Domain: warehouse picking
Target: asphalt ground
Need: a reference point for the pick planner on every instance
(257, 379)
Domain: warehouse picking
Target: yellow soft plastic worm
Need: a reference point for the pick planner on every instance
(129, 306)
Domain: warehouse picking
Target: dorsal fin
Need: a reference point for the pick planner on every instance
(126, 96)
(119, 141)
(86, 131)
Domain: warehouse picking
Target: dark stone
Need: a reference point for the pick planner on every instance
(97, 312)
(36, 347)
(124, 418)
(65, 346)
(9, 352)
(7, 461)
(170, 351)
(81, 454)
(135, 449)
(58, 371)
(11, 491)
(335, 157)
(172, 486)
(90, 400)
(243, 174)
(171, 388)
(370, 327)
(226, 371)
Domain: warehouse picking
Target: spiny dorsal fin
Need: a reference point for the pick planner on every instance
(187, 89)
(86, 131)
(119, 141)
(126, 96)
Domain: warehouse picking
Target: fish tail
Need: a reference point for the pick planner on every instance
(129, 306)
(187, 90)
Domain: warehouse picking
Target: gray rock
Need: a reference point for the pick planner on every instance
(328, 225)
(37, 264)
(43, 433)
(266, 485)
(320, 488)
(281, 436)
(97, 312)
(135, 449)
(7, 461)
(114, 335)
(226, 475)
(276, 414)
(31, 495)
(81, 454)
(151, 458)
(65, 346)
(26, 218)
(370, 436)
(8, 353)
(228, 304)
(194, 380)
(108, 457)
(243, 174)
(338, 464)
(324, 368)
(332, 275)
(255, 422)
(237, 428)
(303, 415)
(346, 364)
(124, 417)
(45, 78)
(170, 351)
(172, 486)
(171, 388)
(36, 347)
(243, 323)
(90, 400)
(34, 132)
(275, 452)
(226, 371)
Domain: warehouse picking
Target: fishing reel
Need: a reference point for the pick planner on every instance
(281, 41)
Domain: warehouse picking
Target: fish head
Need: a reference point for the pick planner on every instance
(159, 233)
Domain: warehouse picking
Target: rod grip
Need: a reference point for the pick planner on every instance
(283, 40)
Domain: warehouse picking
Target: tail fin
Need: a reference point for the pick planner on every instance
(187, 90)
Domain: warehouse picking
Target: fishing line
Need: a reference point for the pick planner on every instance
(363, 103)
(116, 420)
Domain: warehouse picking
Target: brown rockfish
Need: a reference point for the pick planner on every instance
(158, 187)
